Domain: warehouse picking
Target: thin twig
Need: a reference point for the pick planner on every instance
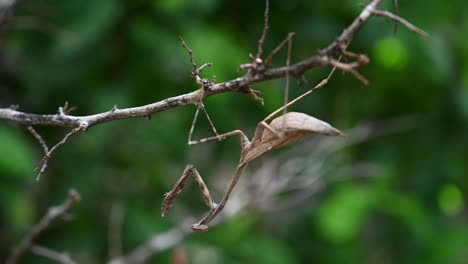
(52, 214)
(265, 30)
(114, 233)
(155, 245)
(196, 70)
(59, 257)
(401, 20)
(395, 6)
(43, 163)
(190, 53)
(39, 138)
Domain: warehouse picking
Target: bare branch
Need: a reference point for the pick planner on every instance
(320, 60)
(52, 214)
(155, 245)
(114, 233)
(59, 257)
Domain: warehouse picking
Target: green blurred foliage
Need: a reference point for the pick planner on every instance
(99, 54)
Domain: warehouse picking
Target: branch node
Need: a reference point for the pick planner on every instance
(65, 109)
(301, 79)
(74, 195)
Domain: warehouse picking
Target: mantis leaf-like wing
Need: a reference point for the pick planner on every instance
(284, 130)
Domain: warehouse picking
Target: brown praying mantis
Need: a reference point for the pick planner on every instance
(283, 130)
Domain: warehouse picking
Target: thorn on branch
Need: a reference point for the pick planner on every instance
(301, 79)
(65, 109)
(148, 117)
(14, 107)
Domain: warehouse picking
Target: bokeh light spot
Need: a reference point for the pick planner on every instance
(450, 199)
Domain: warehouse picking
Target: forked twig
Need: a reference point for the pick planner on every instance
(195, 74)
(42, 166)
(204, 84)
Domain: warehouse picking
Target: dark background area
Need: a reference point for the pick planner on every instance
(409, 208)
